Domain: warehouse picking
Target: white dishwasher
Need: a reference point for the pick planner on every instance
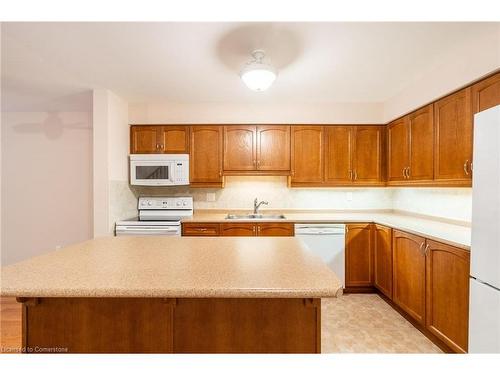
(326, 241)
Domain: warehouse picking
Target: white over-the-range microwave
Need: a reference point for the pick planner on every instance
(159, 169)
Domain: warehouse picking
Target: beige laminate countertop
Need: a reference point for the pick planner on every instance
(432, 228)
(182, 267)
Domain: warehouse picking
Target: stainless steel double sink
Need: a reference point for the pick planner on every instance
(255, 217)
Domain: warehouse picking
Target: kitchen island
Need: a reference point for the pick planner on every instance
(173, 295)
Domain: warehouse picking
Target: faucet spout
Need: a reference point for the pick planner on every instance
(257, 205)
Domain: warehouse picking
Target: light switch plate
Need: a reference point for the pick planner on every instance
(349, 196)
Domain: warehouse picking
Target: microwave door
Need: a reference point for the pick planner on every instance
(152, 174)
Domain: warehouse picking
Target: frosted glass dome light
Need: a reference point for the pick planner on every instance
(256, 74)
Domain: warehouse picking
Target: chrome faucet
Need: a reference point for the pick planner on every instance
(257, 205)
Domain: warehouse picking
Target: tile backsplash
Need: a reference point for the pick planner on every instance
(240, 191)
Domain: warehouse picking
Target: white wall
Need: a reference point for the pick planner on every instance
(467, 61)
(287, 113)
(46, 180)
(450, 203)
(240, 191)
(110, 158)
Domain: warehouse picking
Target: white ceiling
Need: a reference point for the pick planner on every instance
(200, 62)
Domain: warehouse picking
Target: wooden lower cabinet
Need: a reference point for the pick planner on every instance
(275, 229)
(171, 325)
(409, 274)
(447, 303)
(359, 256)
(201, 229)
(383, 259)
(238, 229)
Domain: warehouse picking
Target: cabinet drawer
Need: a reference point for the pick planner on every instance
(275, 229)
(202, 229)
(238, 229)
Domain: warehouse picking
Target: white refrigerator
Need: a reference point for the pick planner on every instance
(484, 308)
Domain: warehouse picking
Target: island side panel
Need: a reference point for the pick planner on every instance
(166, 325)
(98, 325)
(247, 325)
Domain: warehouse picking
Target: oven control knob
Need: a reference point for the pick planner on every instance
(178, 203)
(184, 203)
(150, 203)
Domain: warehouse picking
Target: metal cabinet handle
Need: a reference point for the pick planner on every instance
(465, 167)
(355, 175)
(350, 174)
(422, 247)
(408, 172)
(201, 229)
(157, 146)
(426, 249)
(404, 173)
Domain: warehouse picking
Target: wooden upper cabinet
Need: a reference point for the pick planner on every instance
(358, 256)
(273, 148)
(368, 156)
(307, 155)
(398, 149)
(252, 149)
(159, 139)
(453, 138)
(205, 157)
(486, 94)
(174, 139)
(421, 127)
(144, 139)
(447, 294)
(240, 148)
(338, 154)
(409, 274)
(383, 259)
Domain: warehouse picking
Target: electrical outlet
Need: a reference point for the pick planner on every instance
(349, 196)
(210, 197)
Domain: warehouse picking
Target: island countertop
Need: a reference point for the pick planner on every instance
(174, 267)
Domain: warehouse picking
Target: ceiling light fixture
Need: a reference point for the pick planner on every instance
(257, 74)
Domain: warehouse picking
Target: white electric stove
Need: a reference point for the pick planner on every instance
(158, 216)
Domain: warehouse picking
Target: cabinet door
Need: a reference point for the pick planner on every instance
(338, 154)
(367, 155)
(448, 294)
(200, 229)
(409, 274)
(383, 259)
(205, 161)
(421, 124)
(453, 137)
(307, 155)
(240, 148)
(238, 229)
(359, 255)
(174, 139)
(486, 94)
(398, 146)
(273, 148)
(275, 229)
(144, 140)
